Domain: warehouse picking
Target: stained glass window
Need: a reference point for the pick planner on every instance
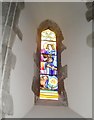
(48, 66)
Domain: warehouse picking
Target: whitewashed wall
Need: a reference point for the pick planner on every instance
(78, 57)
(21, 76)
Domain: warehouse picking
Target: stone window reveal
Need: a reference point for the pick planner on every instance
(49, 75)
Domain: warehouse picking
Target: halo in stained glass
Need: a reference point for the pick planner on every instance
(48, 35)
(53, 82)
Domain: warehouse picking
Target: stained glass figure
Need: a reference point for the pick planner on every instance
(48, 47)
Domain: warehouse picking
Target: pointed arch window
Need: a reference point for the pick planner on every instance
(49, 74)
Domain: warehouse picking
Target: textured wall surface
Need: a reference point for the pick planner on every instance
(22, 75)
(0, 54)
(10, 18)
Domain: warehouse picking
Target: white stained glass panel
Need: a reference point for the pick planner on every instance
(48, 35)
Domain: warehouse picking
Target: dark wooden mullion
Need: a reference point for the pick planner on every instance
(39, 55)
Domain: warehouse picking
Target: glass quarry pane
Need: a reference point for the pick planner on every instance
(48, 35)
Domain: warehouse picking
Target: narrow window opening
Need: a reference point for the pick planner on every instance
(49, 74)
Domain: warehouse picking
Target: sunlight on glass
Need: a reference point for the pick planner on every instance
(48, 35)
(48, 66)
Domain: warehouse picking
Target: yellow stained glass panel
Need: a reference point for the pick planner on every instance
(48, 35)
